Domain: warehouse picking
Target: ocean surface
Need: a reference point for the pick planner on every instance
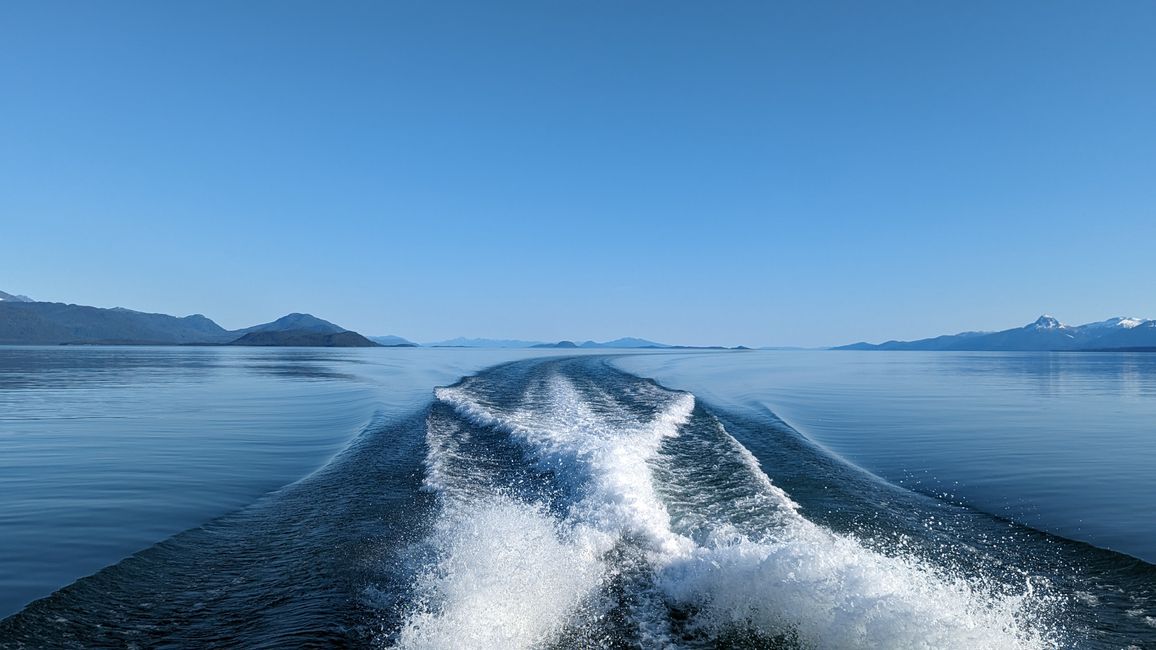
(431, 498)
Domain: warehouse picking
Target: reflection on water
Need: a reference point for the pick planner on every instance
(106, 450)
(1052, 374)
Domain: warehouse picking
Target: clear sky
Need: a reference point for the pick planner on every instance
(764, 173)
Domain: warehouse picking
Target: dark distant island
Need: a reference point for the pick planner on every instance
(24, 321)
(302, 331)
(304, 339)
(1045, 334)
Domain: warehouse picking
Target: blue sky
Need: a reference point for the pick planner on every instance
(764, 173)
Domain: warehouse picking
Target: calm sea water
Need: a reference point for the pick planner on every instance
(205, 497)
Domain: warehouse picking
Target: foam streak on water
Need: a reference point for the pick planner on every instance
(591, 507)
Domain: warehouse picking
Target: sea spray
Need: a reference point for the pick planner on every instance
(736, 556)
(506, 576)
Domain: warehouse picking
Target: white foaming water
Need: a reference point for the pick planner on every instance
(506, 577)
(606, 456)
(831, 592)
(512, 570)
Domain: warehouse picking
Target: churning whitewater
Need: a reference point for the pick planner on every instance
(579, 506)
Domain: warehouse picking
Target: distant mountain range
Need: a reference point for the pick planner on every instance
(463, 342)
(1045, 334)
(392, 341)
(616, 343)
(620, 344)
(26, 322)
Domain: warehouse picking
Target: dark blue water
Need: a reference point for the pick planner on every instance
(336, 498)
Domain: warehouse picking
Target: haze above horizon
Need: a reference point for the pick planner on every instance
(762, 174)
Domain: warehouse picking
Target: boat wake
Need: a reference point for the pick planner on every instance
(581, 505)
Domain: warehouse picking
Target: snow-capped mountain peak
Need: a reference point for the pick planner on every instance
(1046, 322)
(1124, 322)
(1046, 333)
(1129, 322)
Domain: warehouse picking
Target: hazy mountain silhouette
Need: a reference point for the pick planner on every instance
(47, 323)
(25, 322)
(391, 341)
(1044, 334)
(463, 342)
